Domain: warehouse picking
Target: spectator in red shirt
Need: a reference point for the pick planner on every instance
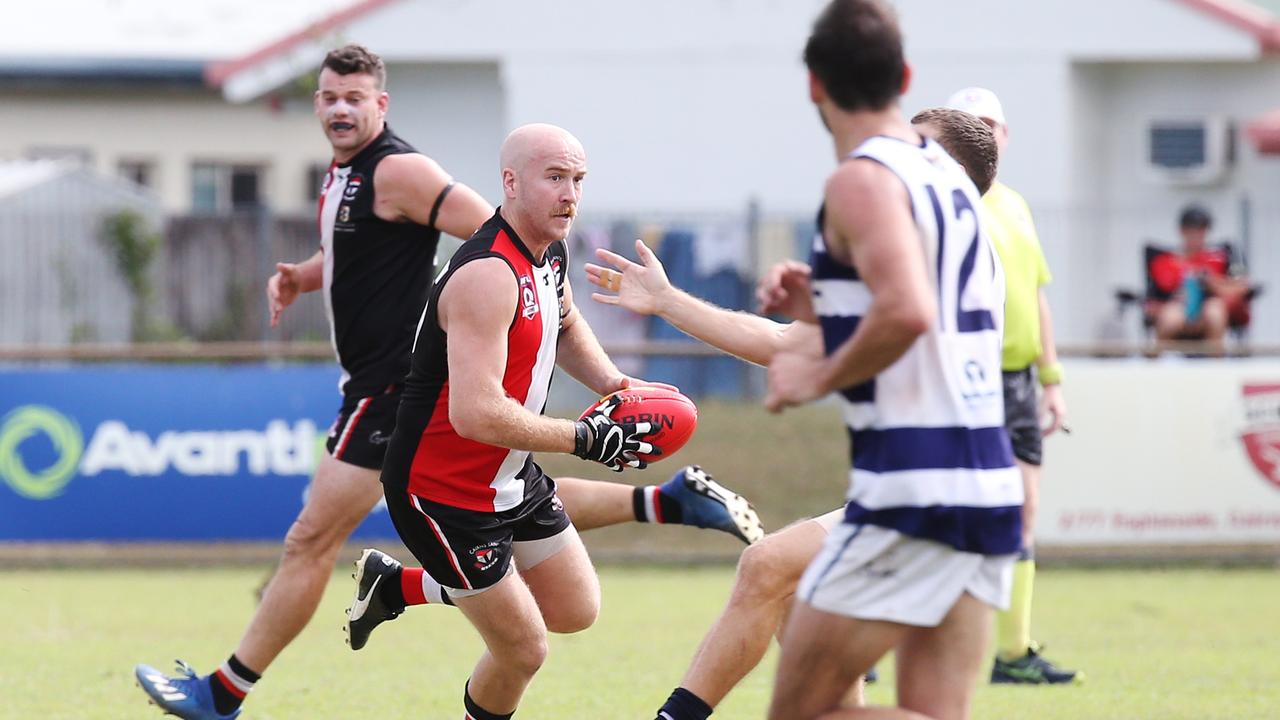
(1202, 296)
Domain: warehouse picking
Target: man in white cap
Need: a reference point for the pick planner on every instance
(1028, 343)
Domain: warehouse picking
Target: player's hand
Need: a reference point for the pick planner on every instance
(282, 289)
(795, 378)
(1054, 407)
(597, 437)
(626, 381)
(787, 290)
(639, 287)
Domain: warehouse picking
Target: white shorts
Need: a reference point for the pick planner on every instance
(875, 573)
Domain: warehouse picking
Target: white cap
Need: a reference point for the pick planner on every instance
(978, 101)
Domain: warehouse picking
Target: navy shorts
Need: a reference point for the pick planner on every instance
(469, 549)
(1022, 416)
(360, 434)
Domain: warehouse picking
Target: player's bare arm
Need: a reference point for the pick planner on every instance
(1052, 403)
(291, 280)
(476, 308)
(869, 227)
(407, 187)
(644, 288)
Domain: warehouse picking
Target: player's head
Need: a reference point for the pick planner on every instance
(983, 103)
(854, 56)
(966, 139)
(1194, 223)
(351, 100)
(542, 171)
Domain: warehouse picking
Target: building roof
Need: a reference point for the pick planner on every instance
(145, 40)
(19, 175)
(1257, 17)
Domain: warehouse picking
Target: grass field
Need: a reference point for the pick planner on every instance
(1155, 644)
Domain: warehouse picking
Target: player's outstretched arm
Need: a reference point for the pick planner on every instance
(644, 288)
(291, 280)
(409, 186)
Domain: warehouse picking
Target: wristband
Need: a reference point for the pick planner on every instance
(1050, 374)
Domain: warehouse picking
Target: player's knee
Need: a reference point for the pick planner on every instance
(523, 656)
(310, 540)
(765, 573)
(573, 617)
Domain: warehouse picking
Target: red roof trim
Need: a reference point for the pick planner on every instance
(1264, 131)
(217, 73)
(1245, 16)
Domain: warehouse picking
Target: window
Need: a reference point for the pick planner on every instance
(220, 187)
(139, 172)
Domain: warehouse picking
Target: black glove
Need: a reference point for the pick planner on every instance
(599, 438)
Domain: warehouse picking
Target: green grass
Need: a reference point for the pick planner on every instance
(1155, 644)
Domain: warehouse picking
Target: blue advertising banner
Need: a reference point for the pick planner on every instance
(133, 452)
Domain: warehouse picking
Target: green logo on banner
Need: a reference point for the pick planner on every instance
(68, 444)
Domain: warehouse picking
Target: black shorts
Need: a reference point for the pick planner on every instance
(1022, 416)
(360, 434)
(468, 549)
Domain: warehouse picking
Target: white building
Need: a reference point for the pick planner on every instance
(701, 107)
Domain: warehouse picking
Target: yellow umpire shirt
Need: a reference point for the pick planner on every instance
(1009, 223)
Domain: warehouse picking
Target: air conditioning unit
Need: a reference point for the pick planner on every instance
(1189, 150)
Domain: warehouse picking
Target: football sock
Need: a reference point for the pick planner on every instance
(650, 504)
(230, 683)
(475, 712)
(1013, 626)
(684, 705)
(415, 587)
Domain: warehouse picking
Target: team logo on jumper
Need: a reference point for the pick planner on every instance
(1261, 433)
(353, 188)
(557, 272)
(528, 297)
(485, 555)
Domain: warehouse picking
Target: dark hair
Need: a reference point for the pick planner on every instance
(855, 50)
(1195, 216)
(968, 140)
(351, 59)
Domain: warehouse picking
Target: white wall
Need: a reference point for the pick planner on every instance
(681, 106)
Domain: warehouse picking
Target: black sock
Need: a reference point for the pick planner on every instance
(642, 506)
(392, 593)
(475, 712)
(230, 683)
(684, 705)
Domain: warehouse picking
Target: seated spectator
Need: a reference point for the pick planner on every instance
(1202, 297)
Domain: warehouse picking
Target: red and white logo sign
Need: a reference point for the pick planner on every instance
(485, 555)
(1261, 433)
(528, 297)
(353, 188)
